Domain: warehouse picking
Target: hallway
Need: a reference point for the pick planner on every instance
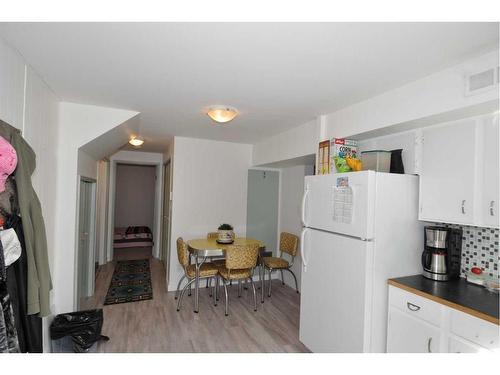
(155, 325)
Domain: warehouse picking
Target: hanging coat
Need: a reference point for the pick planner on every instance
(39, 282)
(8, 333)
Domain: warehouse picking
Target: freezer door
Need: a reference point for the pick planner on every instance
(340, 203)
(335, 300)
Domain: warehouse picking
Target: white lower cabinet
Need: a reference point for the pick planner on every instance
(416, 324)
(407, 334)
(460, 345)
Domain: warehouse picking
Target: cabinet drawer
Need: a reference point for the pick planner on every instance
(415, 305)
(474, 329)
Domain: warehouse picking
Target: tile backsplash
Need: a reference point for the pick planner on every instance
(479, 249)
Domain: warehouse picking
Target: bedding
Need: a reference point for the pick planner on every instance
(137, 236)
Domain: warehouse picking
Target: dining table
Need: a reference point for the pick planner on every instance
(205, 248)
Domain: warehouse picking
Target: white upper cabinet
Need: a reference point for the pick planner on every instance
(446, 183)
(488, 202)
(459, 172)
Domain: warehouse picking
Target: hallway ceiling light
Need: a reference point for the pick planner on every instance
(222, 113)
(136, 142)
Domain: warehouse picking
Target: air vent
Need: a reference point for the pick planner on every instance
(479, 82)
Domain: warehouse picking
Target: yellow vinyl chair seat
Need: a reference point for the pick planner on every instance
(275, 263)
(206, 270)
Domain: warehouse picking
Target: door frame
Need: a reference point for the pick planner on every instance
(90, 287)
(157, 230)
(166, 228)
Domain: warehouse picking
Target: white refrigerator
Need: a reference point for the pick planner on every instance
(360, 229)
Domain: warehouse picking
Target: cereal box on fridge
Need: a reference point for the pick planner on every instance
(343, 148)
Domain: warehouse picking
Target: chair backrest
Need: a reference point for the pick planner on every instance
(289, 243)
(182, 252)
(240, 257)
(212, 235)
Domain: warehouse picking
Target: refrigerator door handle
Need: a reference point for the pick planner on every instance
(303, 213)
(302, 248)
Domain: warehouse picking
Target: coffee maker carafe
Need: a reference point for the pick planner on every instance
(441, 256)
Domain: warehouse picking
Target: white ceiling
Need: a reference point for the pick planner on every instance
(278, 75)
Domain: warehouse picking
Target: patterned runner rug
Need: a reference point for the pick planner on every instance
(131, 282)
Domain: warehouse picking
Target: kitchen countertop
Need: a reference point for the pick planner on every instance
(458, 294)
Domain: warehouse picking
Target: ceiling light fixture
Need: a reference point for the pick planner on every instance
(136, 142)
(222, 113)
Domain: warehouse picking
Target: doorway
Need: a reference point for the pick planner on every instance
(86, 239)
(134, 214)
(263, 206)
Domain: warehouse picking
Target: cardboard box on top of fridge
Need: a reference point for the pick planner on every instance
(343, 148)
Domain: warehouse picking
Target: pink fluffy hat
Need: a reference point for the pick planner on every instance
(8, 161)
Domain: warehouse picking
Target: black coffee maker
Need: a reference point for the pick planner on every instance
(442, 253)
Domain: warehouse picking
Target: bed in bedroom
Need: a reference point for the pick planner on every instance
(132, 237)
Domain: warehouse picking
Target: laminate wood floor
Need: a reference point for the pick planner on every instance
(155, 326)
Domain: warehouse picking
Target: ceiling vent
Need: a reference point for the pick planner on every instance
(479, 82)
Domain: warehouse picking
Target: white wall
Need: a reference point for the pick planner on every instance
(209, 188)
(292, 189)
(87, 165)
(142, 158)
(135, 195)
(439, 93)
(28, 104)
(297, 142)
(431, 100)
(79, 125)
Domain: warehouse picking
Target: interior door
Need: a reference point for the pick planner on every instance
(333, 300)
(447, 177)
(262, 207)
(166, 217)
(86, 240)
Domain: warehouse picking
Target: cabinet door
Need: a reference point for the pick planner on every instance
(457, 345)
(447, 178)
(488, 204)
(406, 334)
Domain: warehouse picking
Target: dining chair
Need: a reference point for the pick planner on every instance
(289, 244)
(239, 264)
(207, 270)
(218, 261)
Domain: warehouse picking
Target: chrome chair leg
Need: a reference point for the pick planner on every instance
(226, 308)
(239, 288)
(189, 293)
(179, 286)
(262, 276)
(295, 278)
(215, 290)
(209, 285)
(254, 295)
(270, 282)
(282, 278)
(217, 287)
(179, 302)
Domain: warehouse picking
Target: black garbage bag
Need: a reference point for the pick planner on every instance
(84, 328)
